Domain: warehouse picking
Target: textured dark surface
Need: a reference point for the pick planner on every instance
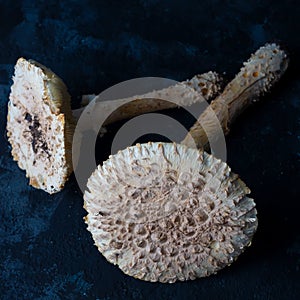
(45, 250)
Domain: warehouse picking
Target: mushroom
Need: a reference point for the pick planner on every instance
(40, 125)
(166, 212)
(40, 122)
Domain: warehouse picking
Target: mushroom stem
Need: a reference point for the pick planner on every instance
(258, 75)
(201, 87)
(40, 123)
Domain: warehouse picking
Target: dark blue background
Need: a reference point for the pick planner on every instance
(45, 250)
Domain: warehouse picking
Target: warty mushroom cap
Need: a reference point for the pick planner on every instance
(166, 212)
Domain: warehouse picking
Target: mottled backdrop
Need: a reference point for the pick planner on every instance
(45, 250)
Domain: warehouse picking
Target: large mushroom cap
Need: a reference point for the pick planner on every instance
(165, 212)
(40, 125)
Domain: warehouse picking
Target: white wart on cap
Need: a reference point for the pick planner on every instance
(165, 212)
(40, 125)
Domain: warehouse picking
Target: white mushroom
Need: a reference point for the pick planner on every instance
(166, 212)
(40, 122)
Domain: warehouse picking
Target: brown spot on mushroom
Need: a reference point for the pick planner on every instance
(204, 91)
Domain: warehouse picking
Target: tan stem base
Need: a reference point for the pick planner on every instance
(258, 75)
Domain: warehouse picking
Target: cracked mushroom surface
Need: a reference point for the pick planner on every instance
(164, 212)
(40, 125)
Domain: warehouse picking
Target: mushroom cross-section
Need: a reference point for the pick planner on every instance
(165, 212)
(40, 125)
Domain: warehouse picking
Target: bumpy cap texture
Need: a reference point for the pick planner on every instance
(40, 125)
(165, 212)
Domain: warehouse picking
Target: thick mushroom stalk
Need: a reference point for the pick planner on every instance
(260, 72)
(166, 212)
(40, 122)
